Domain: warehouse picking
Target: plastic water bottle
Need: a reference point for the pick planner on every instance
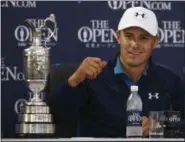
(134, 110)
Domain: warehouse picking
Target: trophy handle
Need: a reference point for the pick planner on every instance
(52, 19)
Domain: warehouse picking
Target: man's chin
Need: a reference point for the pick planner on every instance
(135, 64)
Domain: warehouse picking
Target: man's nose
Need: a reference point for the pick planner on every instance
(135, 43)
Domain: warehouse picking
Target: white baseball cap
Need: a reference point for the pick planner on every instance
(139, 17)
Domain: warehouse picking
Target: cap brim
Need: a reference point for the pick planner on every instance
(139, 26)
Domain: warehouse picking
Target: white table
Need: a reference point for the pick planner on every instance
(94, 139)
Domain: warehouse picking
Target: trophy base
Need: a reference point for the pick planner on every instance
(35, 130)
(35, 136)
(35, 122)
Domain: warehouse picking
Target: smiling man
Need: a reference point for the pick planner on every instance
(97, 92)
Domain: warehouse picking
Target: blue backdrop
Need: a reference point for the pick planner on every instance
(69, 43)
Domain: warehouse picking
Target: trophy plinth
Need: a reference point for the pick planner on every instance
(35, 119)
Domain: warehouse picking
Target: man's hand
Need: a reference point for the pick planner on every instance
(145, 125)
(90, 68)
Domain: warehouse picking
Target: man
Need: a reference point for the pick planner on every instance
(97, 92)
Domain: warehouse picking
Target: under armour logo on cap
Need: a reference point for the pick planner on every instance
(150, 96)
(140, 15)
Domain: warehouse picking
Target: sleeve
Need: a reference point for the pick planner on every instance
(66, 101)
(178, 96)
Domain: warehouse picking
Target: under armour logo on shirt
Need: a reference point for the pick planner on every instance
(151, 96)
(140, 15)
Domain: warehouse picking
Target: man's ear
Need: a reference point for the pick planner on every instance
(156, 41)
(118, 36)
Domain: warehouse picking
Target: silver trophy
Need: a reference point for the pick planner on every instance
(35, 118)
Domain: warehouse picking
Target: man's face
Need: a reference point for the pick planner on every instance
(136, 46)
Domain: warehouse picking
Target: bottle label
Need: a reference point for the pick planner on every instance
(134, 118)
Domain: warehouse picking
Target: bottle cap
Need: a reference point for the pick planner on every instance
(134, 88)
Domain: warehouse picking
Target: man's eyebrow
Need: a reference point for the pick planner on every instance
(145, 34)
(131, 33)
(127, 32)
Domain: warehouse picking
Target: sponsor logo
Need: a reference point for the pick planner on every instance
(153, 5)
(174, 118)
(10, 73)
(97, 35)
(134, 117)
(18, 4)
(23, 34)
(151, 96)
(140, 15)
(171, 35)
(171, 117)
(19, 105)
